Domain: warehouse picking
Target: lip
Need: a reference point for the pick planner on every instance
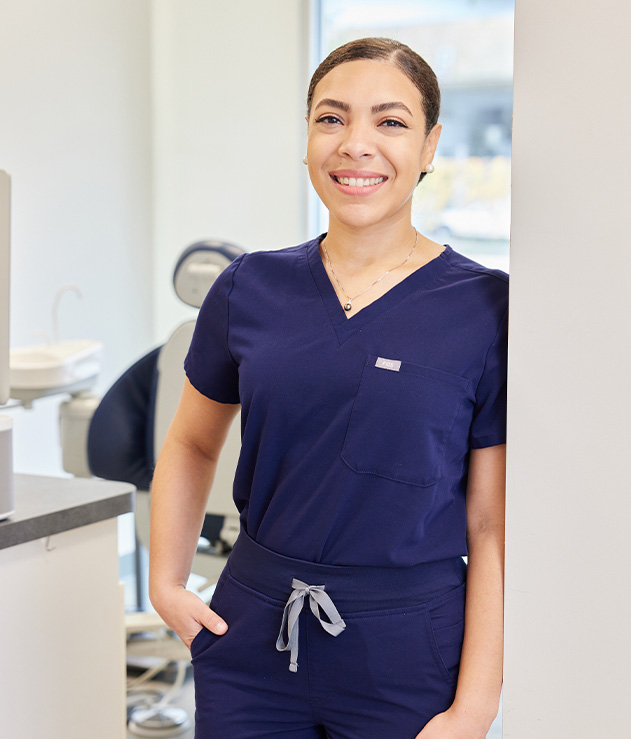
(353, 190)
(356, 173)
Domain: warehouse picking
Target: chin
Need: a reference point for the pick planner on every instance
(355, 221)
(365, 217)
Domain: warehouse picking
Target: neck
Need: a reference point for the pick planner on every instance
(365, 247)
(357, 249)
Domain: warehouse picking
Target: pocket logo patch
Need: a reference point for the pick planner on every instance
(390, 364)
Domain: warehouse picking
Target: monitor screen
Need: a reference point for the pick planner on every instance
(5, 273)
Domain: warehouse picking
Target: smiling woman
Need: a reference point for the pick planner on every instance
(370, 364)
(367, 123)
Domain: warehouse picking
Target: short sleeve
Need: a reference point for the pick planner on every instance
(209, 365)
(488, 427)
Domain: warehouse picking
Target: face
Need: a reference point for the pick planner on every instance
(367, 144)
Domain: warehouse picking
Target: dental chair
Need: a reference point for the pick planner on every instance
(119, 438)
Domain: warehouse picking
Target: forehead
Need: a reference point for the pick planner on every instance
(368, 82)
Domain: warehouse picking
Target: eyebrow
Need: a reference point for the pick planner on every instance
(330, 103)
(380, 108)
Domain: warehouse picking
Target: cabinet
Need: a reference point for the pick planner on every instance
(62, 637)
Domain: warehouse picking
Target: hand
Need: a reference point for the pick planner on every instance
(452, 725)
(186, 613)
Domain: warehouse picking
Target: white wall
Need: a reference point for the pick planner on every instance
(230, 81)
(568, 599)
(75, 135)
(132, 129)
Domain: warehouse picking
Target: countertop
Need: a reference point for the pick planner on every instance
(45, 506)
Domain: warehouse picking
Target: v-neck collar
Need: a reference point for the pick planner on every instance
(346, 327)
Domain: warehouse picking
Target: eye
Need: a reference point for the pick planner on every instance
(392, 123)
(330, 119)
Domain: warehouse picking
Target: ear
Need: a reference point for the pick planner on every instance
(429, 146)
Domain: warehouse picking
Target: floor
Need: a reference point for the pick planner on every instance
(185, 700)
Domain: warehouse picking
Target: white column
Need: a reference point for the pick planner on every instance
(568, 594)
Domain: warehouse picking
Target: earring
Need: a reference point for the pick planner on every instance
(304, 159)
(430, 168)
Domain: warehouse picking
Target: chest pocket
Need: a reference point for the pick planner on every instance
(402, 420)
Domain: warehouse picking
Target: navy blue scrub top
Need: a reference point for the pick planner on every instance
(355, 431)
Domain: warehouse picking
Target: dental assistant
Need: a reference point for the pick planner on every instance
(370, 368)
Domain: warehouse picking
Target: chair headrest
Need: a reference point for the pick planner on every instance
(199, 266)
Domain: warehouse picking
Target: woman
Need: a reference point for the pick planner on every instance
(370, 366)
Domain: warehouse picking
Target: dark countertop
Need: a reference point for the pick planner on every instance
(45, 506)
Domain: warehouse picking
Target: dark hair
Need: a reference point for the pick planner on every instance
(414, 67)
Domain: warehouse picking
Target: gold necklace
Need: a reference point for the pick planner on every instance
(349, 301)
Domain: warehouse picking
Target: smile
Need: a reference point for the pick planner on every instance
(358, 181)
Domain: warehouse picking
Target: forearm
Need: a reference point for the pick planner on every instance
(480, 678)
(184, 474)
(179, 493)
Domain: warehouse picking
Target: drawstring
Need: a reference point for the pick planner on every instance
(318, 599)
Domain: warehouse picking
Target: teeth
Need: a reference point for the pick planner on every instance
(359, 181)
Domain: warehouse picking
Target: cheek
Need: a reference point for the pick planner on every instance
(318, 158)
(317, 147)
(409, 163)
(317, 173)
(319, 184)
(416, 159)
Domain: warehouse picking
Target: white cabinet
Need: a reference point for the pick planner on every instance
(62, 638)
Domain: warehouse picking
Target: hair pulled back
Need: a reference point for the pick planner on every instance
(413, 66)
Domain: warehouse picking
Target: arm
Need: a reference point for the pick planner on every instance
(480, 678)
(179, 492)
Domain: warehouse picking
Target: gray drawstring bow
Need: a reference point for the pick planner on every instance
(318, 599)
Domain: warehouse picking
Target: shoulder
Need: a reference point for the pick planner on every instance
(473, 294)
(466, 266)
(270, 267)
(476, 279)
(278, 257)
(257, 278)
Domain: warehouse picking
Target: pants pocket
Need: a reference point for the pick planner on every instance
(444, 626)
(253, 623)
(385, 664)
(205, 638)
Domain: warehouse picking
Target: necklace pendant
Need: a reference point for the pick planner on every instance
(348, 306)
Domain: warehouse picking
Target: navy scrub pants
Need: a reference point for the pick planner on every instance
(385, 669)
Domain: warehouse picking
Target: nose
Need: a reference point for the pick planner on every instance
(357, 141)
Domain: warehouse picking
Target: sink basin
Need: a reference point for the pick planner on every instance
(48, 366)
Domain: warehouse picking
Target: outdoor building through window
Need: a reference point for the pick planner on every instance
(469, 44)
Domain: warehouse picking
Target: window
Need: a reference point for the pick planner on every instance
(469, 44)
